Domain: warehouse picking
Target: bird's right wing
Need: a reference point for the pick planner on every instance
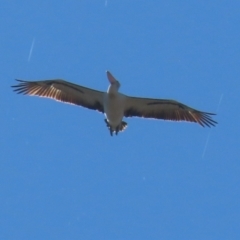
(63, 91)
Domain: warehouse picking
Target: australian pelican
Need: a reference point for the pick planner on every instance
(113, 104)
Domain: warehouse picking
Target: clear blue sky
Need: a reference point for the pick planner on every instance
(61, 174)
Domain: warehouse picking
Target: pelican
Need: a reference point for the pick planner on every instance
(113, 104)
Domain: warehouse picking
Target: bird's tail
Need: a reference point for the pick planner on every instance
(122, 126)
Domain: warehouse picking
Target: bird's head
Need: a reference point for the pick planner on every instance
(114, 83)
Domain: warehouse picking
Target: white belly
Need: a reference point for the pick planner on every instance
(114, 108)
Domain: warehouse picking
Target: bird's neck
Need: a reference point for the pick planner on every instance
(112, 90)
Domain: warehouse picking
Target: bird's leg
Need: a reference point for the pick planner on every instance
(109, 127)
(117, 129)
(106, 121)
(111, 131)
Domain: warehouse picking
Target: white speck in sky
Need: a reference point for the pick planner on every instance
(220, 100)
(205, 148)
(208, 137)
(31, 49)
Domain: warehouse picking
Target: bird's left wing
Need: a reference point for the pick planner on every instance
(166, 110)
(63, 91)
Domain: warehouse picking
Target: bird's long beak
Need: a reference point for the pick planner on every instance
(111, 77)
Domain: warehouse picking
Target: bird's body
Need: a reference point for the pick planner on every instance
(114, 109)
(113, 104)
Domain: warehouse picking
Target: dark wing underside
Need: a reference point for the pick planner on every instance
(63, 91)
(166, 110)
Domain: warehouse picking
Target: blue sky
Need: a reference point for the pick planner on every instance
(61, 174)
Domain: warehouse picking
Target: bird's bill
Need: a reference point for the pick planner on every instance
(111, 77)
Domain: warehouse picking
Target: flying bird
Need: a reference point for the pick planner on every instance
(114, 104)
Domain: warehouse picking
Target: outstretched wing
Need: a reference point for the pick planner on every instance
(63, 91)
(166, 110)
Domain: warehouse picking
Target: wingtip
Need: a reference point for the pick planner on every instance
(20, 80)
(16, 86)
